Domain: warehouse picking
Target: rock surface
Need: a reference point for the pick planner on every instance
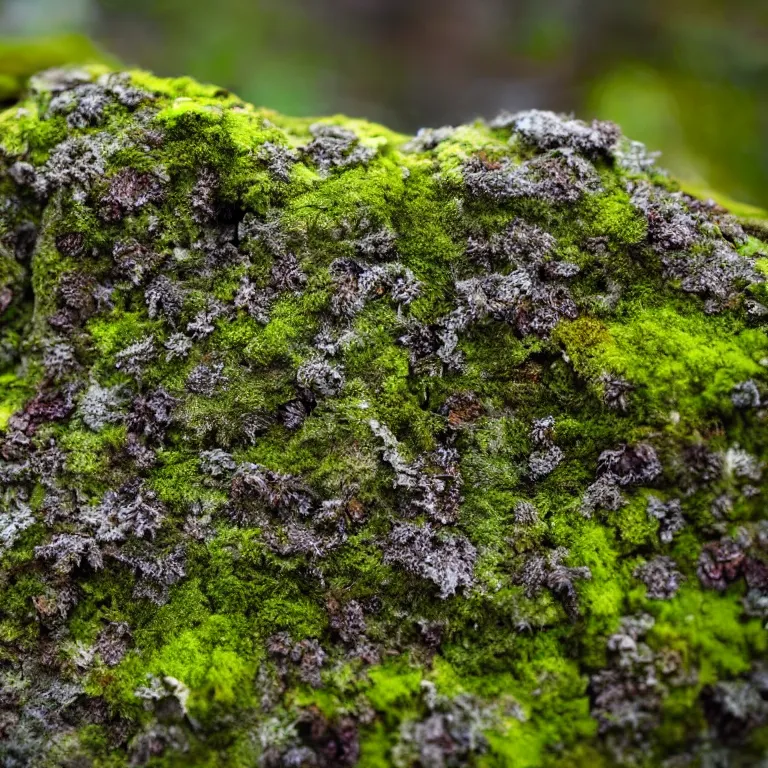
(327, 446)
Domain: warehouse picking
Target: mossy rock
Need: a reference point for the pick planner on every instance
(327, 446)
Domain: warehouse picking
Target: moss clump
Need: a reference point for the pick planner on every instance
(324, 446)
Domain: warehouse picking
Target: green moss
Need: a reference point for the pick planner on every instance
(392, 687)
(614, 216)
(710, 632)
(14, 391)
(92, 455)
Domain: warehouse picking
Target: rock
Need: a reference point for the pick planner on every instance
(323, 445)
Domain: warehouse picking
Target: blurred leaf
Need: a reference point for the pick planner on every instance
(743, 210)
(707, 130)
(21, 58)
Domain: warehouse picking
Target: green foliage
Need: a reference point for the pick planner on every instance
(22, 58)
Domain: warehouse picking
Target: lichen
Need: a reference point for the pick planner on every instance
(322, 445)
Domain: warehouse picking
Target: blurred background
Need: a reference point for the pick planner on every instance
(688, 77)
